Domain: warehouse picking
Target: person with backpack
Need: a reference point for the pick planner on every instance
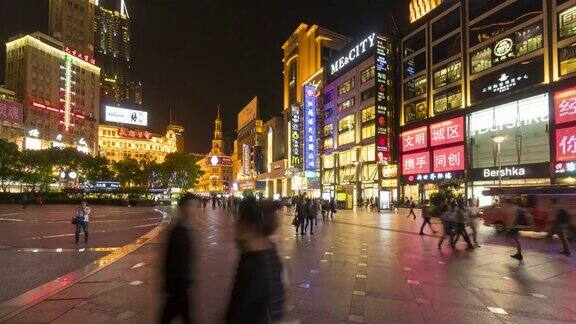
(81, 219)
(520, 222)
(560, 226)
(426, 216)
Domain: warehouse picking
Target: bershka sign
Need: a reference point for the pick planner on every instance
(523, 171)
(353, 53)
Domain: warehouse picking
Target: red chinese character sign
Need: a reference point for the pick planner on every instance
(565, 106)
(415, 163)
(566, 144)
(125, 132)
(414, 139)
(447, 132)
(449, 159)
(83, 57)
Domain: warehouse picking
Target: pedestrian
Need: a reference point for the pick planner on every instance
(411, 205)
(521, 221)
(301, 215)
(447, 222)
(213, 202)
(325, 207)
(258, 291)
(24, 200)
(312, 215)
(461, 219)
(178, 263)
(426, 216)
(473, 212)
(560, 226)
(82, 220)
(332, 207)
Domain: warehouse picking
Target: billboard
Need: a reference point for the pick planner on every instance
(245, 159)
(383, 100)
(310, 141)
(447, 132)
(248, 114)
(414, 139)
(126, 116)
(566, 144)
(565, 106)
(11, 111)
(295, 128)
(449, 159)
(416, 163)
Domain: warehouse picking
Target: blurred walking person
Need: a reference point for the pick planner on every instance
(426, 216)
(178, 265)
(473, 212)
(560, 226)
(332, 207)
(258, 293)
(461, 219)
(301, 215)
(447, 223)
(82, 220)
(312, 215)
(411, 205)
(521, 221)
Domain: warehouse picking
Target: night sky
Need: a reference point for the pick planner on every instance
(192, 55)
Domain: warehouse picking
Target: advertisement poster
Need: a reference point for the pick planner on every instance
(126, 116)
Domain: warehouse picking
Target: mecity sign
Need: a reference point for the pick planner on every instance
(353, 53)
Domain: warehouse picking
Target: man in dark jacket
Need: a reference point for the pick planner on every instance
(301, 214)
(178, 265)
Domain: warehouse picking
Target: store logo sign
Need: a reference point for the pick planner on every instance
(353, 53)
(504, 172)
(504, 83)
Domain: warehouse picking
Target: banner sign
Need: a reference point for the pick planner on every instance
(566, 144)
(565, 106)
(449, 159)
(414, 139)
(447, 132)
(416, 163)
(310, 140)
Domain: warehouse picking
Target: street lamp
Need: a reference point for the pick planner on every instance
(498, 139)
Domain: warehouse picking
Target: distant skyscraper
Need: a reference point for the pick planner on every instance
(72, 23)
(112, 52)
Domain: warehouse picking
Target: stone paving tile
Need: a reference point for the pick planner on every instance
(449, 314)
(325, 300)
(381, 309)
(80, 290)
(538, 307)
(7, 310)
(77, 315)
(451, 295)
(45, 311)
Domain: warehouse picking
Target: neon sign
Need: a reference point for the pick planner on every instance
(565, 106)
(415, 163)
(84, 57)
(414, 139)
(131, 133)
(449, 159)
(566, 144)
(295, 137)
(310, 148)
(447, 132)
(353, 53)
(383, 102)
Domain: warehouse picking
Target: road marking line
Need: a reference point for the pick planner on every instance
(138, 265)
(497, 310)
(136, 283)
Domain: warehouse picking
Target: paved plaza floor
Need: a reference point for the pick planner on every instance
(360, 268)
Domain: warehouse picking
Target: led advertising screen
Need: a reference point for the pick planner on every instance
(566, 144)
(383, 102)
(447, 132)
(310, 149)
(416, 163)
(126, 116)
(414, 139)
(449, 159)
(565, 106)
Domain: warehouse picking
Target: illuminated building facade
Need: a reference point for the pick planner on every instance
(274, 165)
(248, 148)
(72, 23)
(119, 142)
(419, 8)
(474, 73)
(11, 117)
(306, 51)
(59, 89)
(217, 166)
(112, 52)
(356, 124)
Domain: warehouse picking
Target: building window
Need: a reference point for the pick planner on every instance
(447, 74)
(447, 49)
(368, 94)
(367, 74)
(414, 43)
(567, 23)
(415, 65)
(368, 131)
(346, 86)
(368, 153)
(446, 24)
(481, 60)
(327, 162)
(328, 130)
(368, 114)
(415, 111)
(567, 58)
(346, 104)
(328, 96)
(447, 100)
(328, 143)
(347, 157)
(292, 77)
(346, 130)
(414, 88)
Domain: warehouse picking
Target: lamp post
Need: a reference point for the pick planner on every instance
(498, 139)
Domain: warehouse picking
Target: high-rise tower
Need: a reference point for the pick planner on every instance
(112, 52)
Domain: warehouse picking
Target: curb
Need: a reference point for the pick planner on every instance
(44, 291)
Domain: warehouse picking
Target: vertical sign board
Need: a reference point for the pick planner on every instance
(310, 149)
(382, 100)
(295, 131)
(245, 159)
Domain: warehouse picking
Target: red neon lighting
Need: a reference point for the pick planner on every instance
(416, 163)
(414, 139)
(447, 132)
(449, 159)
(566, 144)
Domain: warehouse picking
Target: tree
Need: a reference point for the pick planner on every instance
(10, 164)
(127, 172)
(446, 192)
(96, 168)
(37, 169)
(180, 170)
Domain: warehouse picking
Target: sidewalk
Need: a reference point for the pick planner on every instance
(361, 268)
